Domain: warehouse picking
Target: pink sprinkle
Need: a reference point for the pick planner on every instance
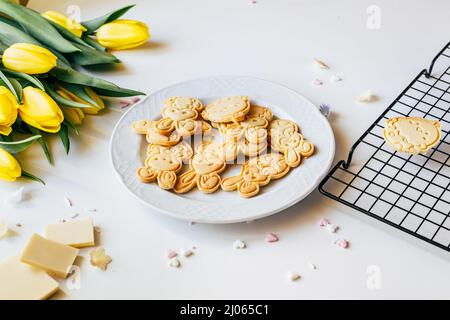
(18, 225)
(271, 237)
(191, 223)
(124, 104)
(324, 222)
(342, 243)
(172, 254)
(74, 216)
(317, 82)
(135, 100)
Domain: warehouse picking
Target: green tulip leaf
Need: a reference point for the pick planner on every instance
(64, 135)
(96, 23)
(61, 100)
(107, 88)
(93, 43)
(9, 85)
(29, 78)
(80, 92)
(88, 56)
(20, 145)
(43, 144)
(17, 87)
(71, 126)
(29, 176)
(36, 26)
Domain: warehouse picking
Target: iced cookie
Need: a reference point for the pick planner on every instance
(228, 109)
(255, 173)
(163, 164)
(204, 170)
(285, 137)
(412, 134)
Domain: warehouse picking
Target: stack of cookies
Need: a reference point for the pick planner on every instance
(267, 148)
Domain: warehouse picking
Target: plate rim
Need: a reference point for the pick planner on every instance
(289, 204)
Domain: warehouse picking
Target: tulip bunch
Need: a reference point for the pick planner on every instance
(41, 90)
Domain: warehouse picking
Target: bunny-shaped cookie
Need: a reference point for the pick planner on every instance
(255, 173)
(204, 170)
(285, 137)
(163, 164)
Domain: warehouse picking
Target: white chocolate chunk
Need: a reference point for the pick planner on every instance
(367, 97)
(174, 263)
(54, 257)
(239, 244)
(293, 276)
(19, 281)
(78, 233)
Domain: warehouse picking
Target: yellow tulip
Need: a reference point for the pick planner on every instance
(93, 109)
(67, 23)
(40, 110)
(28, 58)
(9, 167)
(74, 115)
(123, 34)
(8, 110)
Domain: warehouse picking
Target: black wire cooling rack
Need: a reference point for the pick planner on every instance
(410, 193)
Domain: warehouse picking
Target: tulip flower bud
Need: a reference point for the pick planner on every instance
(9, 167)
(93, 109)
(40, 110)
(28, 58)
(67, 23)
(8, 110)
(123, 34)
(74, 115)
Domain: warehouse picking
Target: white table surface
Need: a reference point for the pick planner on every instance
(271, 39)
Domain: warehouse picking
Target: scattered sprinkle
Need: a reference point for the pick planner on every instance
(91, 210)
(312, 266)
(239, 244)
(15, 197)
(323, 222)
(325, 109)
(74, 216)
(68, 202)
(174, 263)
(271, 237)
(335, 78)
(187, 252)
(18, 225)
(293, 276)
(135, 100)
(342, 243)
(99, 258)
(331, 228)
(124, 104)
(317, 82)
(191, 223)
(172, 254)
(367, 97)
(62, 220)
(253, 2)
(320, 64)
(3, 228)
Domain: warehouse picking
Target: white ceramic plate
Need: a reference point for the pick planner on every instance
(128, 149)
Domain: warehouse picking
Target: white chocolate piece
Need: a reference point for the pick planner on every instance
(78, 233)
(54, 257)
(239, 244)
(20, 281)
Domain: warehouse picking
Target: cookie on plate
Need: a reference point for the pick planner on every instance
(228, 109)
(163, 164)
(255, 173)
(285, 137)
(412, 134)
